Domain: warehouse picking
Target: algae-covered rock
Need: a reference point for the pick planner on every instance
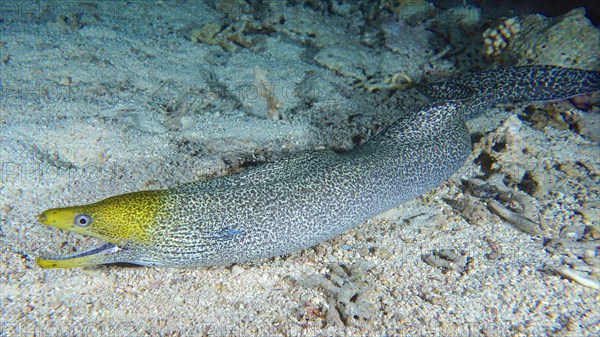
(544, 40)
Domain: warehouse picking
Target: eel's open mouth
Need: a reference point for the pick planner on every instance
(90, 257)
(77, 220)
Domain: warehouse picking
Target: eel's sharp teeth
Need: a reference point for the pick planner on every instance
(104, 249)
(90, 257)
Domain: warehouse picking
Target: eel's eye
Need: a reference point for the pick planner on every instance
(83, 220)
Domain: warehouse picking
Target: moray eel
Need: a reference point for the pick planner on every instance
(302, 200)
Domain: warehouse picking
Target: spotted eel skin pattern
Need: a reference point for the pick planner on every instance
(302, 200)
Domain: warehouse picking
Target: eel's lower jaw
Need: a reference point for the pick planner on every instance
(91, 257)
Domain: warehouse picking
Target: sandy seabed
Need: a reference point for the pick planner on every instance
(106, 98)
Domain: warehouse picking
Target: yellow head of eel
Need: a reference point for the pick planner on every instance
(122, 221)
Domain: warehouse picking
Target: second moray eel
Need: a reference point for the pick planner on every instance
(302, 200)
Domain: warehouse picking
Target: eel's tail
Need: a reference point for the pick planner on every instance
(546, 83)
(537, 83)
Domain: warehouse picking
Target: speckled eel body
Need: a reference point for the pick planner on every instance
(302, 200)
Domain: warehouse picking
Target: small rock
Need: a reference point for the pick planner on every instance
(347, 60)
(588, 125)
(574, 233)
